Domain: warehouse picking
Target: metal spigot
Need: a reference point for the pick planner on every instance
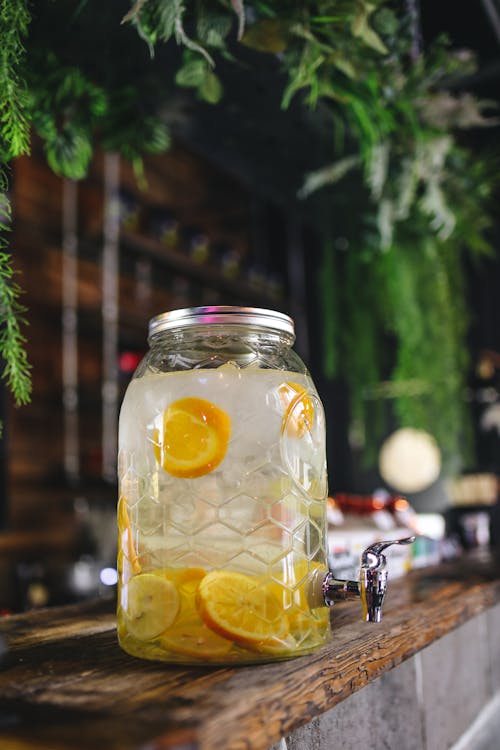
(372, 583)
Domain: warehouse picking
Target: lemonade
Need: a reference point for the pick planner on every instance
(221, 515)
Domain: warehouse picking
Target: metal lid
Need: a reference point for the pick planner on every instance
(221, 315)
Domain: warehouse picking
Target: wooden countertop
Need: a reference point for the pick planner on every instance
(65, 683)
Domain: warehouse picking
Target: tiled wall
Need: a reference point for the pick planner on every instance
(426, 703)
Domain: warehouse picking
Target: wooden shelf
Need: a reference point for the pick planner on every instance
(206, 274)
(65, 683)
(25, 544)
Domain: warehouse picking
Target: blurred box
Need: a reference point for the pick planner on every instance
(346, 544)
(473, 489)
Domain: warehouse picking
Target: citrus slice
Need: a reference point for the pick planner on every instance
(294, 591)
(194, 639)
(188, 635)
(126, 548)
(302, 620)
(194, 437)
(243, 609)
(186, 581)
(181, 577)
(152, 604)
(279, 646)
(299, 410)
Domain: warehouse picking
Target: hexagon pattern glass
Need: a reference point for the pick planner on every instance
(222, 501)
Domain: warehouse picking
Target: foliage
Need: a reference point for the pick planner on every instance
(100, 87)
(411, 201)
(14, 134)
(17, 369)
(427, 203)
(421, 201)
(14, 140)
(70, 100)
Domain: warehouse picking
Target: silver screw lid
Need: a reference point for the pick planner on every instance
(221, 315)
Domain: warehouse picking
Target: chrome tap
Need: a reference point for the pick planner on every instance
(370, 587)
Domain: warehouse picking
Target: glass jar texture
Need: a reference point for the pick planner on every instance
(222, 507)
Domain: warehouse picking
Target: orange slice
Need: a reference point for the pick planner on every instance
(186, 581)
(188, 635)
(194, 438)
(294, 593)
(243, 609)
(279, 647)
(299, 410)
(304, 620)
(181, 576)
(126, 546)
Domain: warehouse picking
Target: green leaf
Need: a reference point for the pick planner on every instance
(328, 175)
(69, 154)
(156, 19)
(268, 35)
(344, 65)
(210, 90)
(192, 74)
(213, 27)
(360, 28)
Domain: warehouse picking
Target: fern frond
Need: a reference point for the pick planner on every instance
(17, 370)
(14, 123)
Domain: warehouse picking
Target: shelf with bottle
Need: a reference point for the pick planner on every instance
(259, 289)
(213, 259)
(149, 283)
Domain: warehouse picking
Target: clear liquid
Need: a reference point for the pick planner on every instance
(259, 515)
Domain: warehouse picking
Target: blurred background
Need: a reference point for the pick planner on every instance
(222, 217)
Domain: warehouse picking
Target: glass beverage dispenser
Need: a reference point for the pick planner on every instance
(222, 507)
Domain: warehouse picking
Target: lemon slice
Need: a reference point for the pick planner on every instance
(299, 410)
(152, 604)
(243, 609)
(188, 635)
(194, 639)
(194, 438)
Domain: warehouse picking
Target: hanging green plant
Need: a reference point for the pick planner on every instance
(428, 205)
(421, 202)
(14, 140)
(395, 117)
(73, 99)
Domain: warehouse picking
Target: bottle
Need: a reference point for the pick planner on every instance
(223, 484)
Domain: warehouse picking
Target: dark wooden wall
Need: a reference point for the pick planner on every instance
(208, 206)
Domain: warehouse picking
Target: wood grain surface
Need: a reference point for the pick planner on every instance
(65, 683)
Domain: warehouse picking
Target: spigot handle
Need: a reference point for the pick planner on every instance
(373, 578)
(370, 587)
(373, 558)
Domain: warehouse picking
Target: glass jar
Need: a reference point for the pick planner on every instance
(222, 507)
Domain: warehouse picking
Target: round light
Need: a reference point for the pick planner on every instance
(410, 460)
(108, 576)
